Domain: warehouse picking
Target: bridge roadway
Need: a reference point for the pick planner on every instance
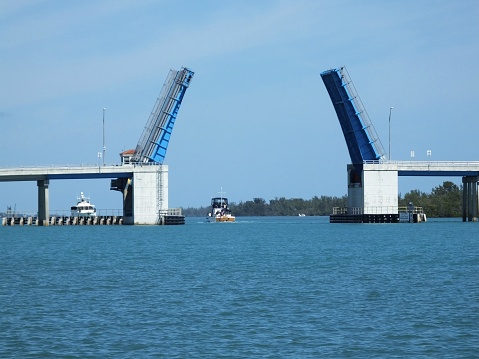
(38, 173)
(427, 168)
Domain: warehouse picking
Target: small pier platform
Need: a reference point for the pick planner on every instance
(364, 218)
(173, 216)
(173, 220)
(403, 215)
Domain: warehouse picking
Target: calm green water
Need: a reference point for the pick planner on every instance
(288, 287)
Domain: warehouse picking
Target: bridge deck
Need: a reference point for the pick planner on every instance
(426, 168)
(37, 173)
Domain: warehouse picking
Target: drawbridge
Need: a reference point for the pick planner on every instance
(142, 178)
(361, 138)
(372, 178)
(151, 150)
(156, 135)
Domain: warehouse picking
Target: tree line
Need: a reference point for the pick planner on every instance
(443, 201)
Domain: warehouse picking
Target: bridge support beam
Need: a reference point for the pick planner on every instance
(470, 199)
(43, 202)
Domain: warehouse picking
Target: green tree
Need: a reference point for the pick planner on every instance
(443, 201)
(446, 200)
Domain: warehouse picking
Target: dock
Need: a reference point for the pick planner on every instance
(409, 214)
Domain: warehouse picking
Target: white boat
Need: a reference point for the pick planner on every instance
(219, 210)
(83, 207)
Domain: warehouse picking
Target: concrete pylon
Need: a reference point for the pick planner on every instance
(43, 202)
(470, 198)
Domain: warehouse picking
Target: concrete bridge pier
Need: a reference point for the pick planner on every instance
(470, 198)
(43, 202)
(373, 190)
(145, 194)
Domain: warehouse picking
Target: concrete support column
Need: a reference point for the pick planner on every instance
(470, 198)
(474, 199)
(43, 202)
(465, 188)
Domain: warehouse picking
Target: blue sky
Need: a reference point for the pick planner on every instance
(256, 120)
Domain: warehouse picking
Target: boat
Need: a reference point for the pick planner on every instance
(220, 211)
(83, 207)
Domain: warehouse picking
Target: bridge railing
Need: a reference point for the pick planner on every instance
(410, 210)
(424, 163)
(376, 210)
(81, 165)
(60, 213)
(365, 210)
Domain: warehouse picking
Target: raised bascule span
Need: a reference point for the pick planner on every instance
(372, 178)
(361, 139)
(154, 141)
(141, 178)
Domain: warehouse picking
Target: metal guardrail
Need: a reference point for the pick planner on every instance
(424, 163)
(83, 165)
(172, 212)
(99, 212)
(61, 213)
(376, 210)
(410, 210)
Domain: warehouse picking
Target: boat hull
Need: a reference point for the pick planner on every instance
(220, 219)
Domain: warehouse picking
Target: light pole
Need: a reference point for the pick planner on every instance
(390, 110)
(104, 148)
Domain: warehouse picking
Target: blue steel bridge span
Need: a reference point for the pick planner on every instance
(156, 135)
(361, 138)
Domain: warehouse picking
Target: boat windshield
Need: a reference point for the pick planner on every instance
(219, 202)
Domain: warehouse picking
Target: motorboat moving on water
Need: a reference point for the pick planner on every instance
(83, 207)
(220, 211)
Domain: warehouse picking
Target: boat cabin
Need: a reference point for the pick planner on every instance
(219, 202)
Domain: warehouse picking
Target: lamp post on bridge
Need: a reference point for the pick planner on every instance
(104, 148)
(390, 110)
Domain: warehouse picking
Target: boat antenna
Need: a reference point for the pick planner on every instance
(221, 196)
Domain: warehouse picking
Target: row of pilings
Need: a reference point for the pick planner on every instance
(63, 220)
